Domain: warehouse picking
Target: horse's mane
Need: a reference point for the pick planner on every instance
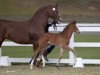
(41, 10)
(68, 26)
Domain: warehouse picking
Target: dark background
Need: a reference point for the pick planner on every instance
(84, 11)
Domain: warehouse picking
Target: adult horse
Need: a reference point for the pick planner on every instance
(28, 32)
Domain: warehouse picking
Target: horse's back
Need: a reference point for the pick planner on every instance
(2, 26)
(14, 31)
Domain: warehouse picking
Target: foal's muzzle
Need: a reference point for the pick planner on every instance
(78, 32)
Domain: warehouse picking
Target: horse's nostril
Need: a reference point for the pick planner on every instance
(78, 32)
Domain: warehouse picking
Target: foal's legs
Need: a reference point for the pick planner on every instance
(39, 59)
(61, 53)
(48, 51)
(39, 51)
(34, 48)
(43, 48)
(34, 56)
(73, 51)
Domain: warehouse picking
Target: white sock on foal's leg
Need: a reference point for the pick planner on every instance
(43, 59)
(31, 65)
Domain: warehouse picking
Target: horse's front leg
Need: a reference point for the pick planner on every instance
(73, 51)
(34, 56)
(61, 53)
(34, 48)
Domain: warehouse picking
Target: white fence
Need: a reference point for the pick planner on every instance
(60, 27)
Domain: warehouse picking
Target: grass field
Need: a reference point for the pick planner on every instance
(81, 52)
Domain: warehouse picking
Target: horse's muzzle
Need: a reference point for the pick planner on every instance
(78, 32)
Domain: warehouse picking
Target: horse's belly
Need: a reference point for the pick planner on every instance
(19, 38)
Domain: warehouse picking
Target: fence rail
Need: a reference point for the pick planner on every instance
(82, 28)
(76, 44)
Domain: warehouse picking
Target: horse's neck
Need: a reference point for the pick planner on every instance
(67, 33)
(39, 20)
(39, 15)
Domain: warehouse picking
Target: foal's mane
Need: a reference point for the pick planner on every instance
(69, 26)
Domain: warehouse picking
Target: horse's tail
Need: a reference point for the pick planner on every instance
(2, 32)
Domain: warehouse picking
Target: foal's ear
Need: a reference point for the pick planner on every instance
(74, 22)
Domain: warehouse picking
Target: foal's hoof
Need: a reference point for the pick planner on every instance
(58, 67)
(31, 67)
(47, 60)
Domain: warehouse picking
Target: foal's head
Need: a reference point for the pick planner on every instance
(73, 27)
(52, 11)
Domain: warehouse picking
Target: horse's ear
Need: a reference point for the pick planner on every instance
(74, 22)
(56, 5)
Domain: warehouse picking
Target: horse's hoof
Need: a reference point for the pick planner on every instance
(31, 67)
(47, 60)
(42, 66)
(58, 67)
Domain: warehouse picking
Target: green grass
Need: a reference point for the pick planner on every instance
(17, 51)
(24, 52)
(80, 52)
(88, 53)
(87, 38)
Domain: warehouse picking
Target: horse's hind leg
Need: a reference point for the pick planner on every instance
(48, 51)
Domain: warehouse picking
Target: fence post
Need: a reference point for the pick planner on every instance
(71, 55)
(0, 51)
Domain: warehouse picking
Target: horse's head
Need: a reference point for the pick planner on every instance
(52, 12)
(74, 27)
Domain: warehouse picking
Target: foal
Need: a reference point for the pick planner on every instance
(61, 39)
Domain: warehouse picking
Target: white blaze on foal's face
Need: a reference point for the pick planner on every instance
(53, 9)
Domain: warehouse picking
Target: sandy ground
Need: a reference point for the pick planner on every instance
(49, 70)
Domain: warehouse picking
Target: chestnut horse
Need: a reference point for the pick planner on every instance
(28, 32)
(61, 39)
